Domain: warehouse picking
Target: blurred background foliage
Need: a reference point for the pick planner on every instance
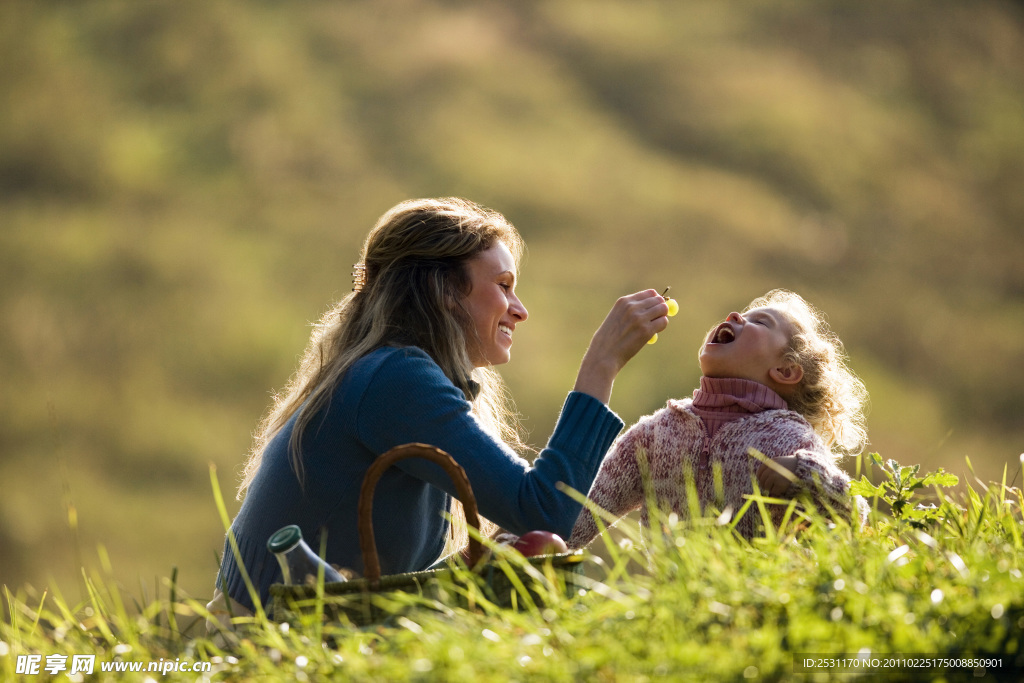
(184, 187)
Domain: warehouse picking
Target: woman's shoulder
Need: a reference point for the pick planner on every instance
(385, 354)
(394, 366)
(400, 382)
(390, 357)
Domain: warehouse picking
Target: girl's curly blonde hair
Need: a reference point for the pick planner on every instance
(830, 396)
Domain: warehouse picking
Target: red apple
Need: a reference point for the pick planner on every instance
(540, 543)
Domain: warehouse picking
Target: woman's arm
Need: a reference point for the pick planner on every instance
(408, 399)
(633, 320)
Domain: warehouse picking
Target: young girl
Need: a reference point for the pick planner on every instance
(774, 379)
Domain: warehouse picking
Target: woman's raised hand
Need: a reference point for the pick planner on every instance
(633, 320)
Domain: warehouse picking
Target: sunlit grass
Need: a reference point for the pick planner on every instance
(692, 600)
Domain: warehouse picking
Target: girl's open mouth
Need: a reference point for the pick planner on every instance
(723, 335)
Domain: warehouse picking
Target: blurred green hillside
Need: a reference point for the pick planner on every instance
(184, 187)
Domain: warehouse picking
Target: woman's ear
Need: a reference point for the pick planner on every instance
(787, 373)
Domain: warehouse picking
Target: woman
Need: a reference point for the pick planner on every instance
(407, 357)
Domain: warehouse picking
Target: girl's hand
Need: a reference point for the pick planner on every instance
(633, 320)
(774, 483)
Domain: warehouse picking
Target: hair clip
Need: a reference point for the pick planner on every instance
(358, 277)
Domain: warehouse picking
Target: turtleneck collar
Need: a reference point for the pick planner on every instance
(723, 399)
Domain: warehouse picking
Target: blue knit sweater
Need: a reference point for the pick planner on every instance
(390, 397)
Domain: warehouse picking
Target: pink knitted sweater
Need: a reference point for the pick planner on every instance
(689, 438)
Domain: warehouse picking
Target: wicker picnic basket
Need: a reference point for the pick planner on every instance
(366, 600)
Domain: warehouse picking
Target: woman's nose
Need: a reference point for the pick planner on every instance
(517, 309)
(735, 317)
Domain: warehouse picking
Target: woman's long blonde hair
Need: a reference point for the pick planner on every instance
(411, 282)
(830, 396)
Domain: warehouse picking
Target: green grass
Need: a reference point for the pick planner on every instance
(694, 602)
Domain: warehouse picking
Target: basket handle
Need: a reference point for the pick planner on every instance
(367, 542)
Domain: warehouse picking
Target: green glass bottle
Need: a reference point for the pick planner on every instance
(299, 564)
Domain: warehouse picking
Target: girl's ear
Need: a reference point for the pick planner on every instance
(787, 373)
